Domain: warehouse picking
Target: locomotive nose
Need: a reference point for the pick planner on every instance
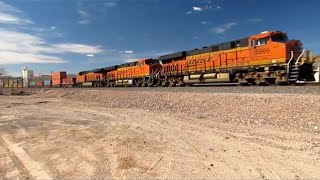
(294, 45)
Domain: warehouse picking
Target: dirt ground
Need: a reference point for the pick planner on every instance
(58, 136)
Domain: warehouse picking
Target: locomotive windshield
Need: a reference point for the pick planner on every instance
(279, 38)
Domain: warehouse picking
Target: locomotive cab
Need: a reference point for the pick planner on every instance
(154, 65)
(274, 47)
(285, 56)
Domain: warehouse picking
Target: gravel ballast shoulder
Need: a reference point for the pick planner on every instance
(285, 111)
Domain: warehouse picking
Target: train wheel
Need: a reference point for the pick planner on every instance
(262, 83)
(173, 84)
(182, 84)
(270, 80)
(159, 83)
(251, 81)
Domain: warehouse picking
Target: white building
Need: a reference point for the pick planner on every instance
(27, 75)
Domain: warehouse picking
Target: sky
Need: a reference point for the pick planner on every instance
(77, 35)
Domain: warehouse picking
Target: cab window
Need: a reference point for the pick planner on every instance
(259, 42)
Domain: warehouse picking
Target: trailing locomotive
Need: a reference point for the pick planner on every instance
(139, 73)
(264, 58)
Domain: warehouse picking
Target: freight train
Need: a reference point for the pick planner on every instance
(265, 58)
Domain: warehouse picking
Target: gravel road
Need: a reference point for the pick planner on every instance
(160, 134)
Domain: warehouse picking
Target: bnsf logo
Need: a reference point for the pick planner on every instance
(262, 51)
(198, 61)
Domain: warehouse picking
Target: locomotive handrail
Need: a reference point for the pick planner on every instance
(289, 62)
(153, 74)
(300, 56)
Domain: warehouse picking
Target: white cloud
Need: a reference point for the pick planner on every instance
(83, 13)
(18, 47)
(52, 28)
(129, 52)
(12, 15)
(17, 41)
(203, 5)
(19, 58)
(196, 8)
(85, 17)
(85, 21)
(208, 4)
(10, 19)
(255, 20)
(42, 31)
(90, 55)
(111, 3)
(76, 48)
(204, 22)
(9, 8)
(223, 28)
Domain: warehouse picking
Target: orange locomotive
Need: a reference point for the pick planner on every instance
(94, 78)
(264, 58)
(139, 73)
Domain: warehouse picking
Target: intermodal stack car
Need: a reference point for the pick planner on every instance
(57, 78)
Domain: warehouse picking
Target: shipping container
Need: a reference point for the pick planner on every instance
(56, 83)
(59, 75)
(40, 84)
(32, 84)
(68, 81)
(47, 83)
(13, 83)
